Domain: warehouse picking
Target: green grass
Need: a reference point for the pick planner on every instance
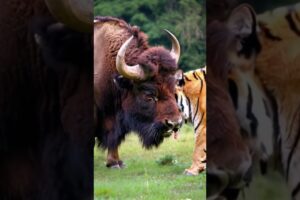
(150, 174)
(270, 186)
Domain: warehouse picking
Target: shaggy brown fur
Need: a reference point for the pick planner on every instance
(125, 105)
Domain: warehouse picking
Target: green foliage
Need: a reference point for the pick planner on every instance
(261, 6)
(185, 18)
(269, 186)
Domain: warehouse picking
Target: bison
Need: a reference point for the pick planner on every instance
(46, 104)
(134, 86)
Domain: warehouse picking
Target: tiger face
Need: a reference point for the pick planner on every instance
(189, 89)
(278, 62)
(236, 65)
(275, 67)
(181, 99)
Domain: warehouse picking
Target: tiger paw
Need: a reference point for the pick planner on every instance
(194, 171)
(191, 172)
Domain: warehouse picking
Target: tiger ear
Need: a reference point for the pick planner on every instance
(179, 74)
(242, 21)
(179, 77)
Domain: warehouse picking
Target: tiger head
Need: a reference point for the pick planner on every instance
(181, 99)
(191, 94)
(245, 45)
(239, 36)
(278, 62)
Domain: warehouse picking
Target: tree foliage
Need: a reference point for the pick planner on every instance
(185, 18)
(261, 6)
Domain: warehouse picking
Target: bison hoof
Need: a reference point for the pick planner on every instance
(121, 164)
(116, 165)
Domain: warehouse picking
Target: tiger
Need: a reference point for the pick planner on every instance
(277, 66)
(232, 51)
(191, 99)
(277, 70)
(254, 110)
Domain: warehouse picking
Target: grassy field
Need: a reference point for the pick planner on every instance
(145, 177)
(270, 186)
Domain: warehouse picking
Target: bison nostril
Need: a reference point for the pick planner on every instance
(177, 127)
(170, 124)
(173, 125)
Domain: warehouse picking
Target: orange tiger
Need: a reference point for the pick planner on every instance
(276, 63)
(277, 66)
(191, 98)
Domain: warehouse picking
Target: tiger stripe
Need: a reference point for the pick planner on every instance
(292, 23)
(278, 68)
(191, 99)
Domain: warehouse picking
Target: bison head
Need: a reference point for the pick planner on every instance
(147, 88)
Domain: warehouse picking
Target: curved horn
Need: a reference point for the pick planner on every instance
(131, 72)
(175, 52)
(76, 14)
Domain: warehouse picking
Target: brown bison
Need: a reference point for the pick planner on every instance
(46, 100)
(134, 86)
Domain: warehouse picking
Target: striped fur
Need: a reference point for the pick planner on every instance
(191, 98)
(232, 48)
(278, 68)
(254, 112)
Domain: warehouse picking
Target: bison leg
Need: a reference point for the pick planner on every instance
(199, 155)
(113, 160)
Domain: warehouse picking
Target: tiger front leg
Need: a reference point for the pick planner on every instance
(199, 155)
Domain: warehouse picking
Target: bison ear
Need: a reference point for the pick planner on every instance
(122, 82)
(179, 77)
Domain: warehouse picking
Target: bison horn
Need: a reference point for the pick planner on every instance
(76, 14)
(175, 52)
(132, 72)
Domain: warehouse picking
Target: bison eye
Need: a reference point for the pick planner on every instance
(150, 98)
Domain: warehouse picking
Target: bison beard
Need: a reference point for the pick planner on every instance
(151, 134)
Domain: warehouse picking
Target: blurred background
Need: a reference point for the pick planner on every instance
(261, 6)
(184, 18)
